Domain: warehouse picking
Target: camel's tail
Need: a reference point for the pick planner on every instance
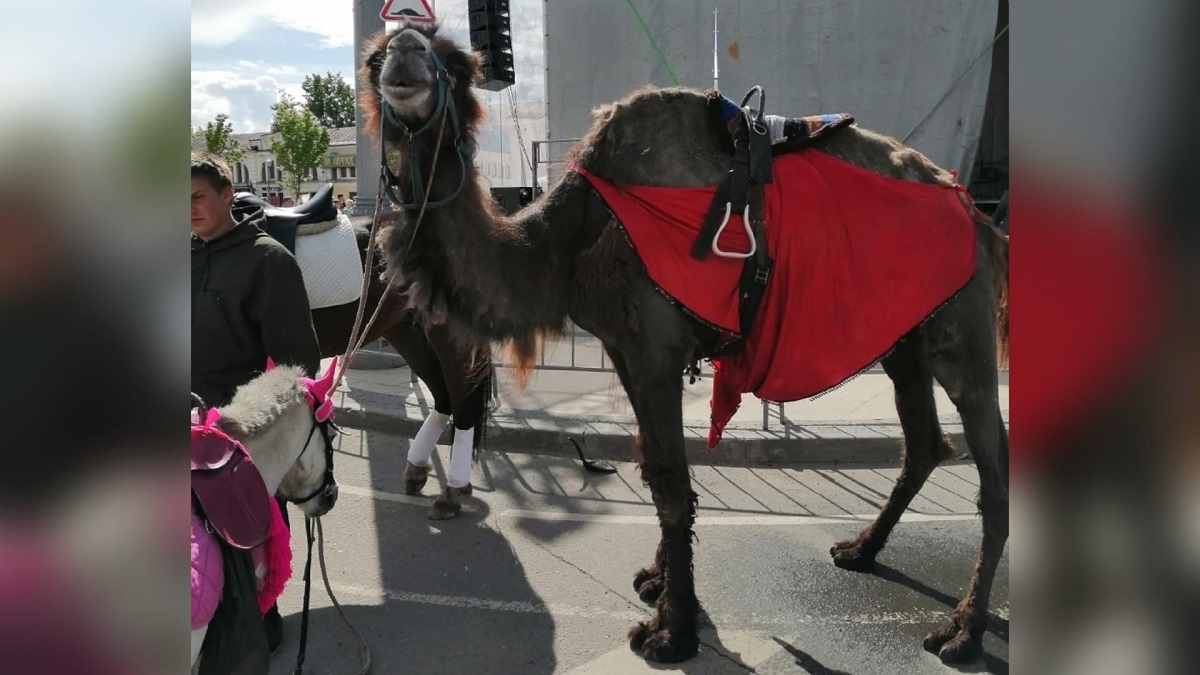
(1000, 272)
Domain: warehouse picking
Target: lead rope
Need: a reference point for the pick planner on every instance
(308, 532)
(356, 341)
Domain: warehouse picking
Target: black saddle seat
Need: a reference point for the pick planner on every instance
(282, 221)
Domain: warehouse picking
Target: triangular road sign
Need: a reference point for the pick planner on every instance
(416, 11)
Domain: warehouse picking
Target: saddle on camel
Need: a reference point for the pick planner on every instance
(842, 236)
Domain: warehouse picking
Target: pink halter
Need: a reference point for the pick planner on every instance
(317, 392)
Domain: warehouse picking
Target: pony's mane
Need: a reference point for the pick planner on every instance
(261, 401)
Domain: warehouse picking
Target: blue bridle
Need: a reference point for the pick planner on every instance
(444, 106)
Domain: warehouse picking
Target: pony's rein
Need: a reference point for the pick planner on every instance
(364, 653)
(356, 342)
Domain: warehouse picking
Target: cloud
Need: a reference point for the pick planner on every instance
(220, 23)
(238, 81)
(244, 93)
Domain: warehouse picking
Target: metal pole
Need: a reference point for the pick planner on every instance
(536, 159)
(367, 23)
(716, 70)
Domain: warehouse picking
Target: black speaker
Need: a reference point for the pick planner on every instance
(490, 24)
(512, 199)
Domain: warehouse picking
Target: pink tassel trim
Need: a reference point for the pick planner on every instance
(278, 552)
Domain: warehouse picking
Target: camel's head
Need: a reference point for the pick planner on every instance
(404, 70)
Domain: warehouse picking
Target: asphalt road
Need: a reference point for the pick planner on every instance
(535, 575)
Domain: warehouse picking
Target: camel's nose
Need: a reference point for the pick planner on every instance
(409, 40)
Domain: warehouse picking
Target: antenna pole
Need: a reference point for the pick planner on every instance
(716, 70)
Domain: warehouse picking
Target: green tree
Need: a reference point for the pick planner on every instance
(298, 143)
(330, 98)
(218, 140)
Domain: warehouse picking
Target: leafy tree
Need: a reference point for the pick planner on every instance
(218, 140)
(330, 98)
(299, 141)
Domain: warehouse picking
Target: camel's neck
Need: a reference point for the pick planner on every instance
(499, 278)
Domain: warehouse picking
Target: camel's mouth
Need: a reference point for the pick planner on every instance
(406, 81)
(406, 100)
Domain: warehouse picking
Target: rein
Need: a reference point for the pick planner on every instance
(445, 108)
(326, 485)
(364, 653)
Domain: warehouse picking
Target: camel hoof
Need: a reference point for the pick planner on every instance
(648, 584)
(414, 478)
(448, 504)
(650, 590)
(660, 645)
(850, 556)
(954, 643)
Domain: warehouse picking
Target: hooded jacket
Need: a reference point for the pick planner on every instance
(248, 303)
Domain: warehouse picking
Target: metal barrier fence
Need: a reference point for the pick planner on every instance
(580, 351)
(584, 351)
(538, 160)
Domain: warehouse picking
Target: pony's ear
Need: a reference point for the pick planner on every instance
(322, 386)
(270, 364)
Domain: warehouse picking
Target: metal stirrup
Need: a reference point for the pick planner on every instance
(749, 233)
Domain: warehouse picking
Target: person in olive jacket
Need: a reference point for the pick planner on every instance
(248, 297)
(248, 303)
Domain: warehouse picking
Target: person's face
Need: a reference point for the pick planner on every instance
(210, 209)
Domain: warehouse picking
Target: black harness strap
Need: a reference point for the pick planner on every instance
(742, 187)
(757, 268)
(733, 190)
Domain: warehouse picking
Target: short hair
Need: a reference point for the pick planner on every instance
(212, 168)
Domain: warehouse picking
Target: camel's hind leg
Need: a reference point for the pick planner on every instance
(925, 446)
(963, 359)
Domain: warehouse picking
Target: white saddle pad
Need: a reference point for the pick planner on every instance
(331, 265)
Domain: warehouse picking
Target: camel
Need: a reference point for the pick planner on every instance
(517, 280)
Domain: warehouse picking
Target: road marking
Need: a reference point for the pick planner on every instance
(705, 517)
(466, 602)
(593, 612)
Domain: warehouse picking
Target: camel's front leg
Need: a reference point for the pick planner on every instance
(655, 389)
(670, 635)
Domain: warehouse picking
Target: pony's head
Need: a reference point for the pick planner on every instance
(289, 438)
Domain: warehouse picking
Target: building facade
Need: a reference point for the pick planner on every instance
(502, 154)
(259, 173)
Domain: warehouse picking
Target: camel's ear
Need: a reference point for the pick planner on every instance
(465, 66)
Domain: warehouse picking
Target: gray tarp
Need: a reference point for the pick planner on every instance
(888, 63)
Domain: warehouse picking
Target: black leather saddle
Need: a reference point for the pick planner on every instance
(282, 221)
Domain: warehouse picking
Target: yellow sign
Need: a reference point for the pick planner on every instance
(339, 160)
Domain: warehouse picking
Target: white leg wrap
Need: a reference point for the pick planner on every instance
(460, 458)
(422, 446)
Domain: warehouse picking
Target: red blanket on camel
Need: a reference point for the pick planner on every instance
(860, 260)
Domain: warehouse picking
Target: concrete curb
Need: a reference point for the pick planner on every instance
(613, 440)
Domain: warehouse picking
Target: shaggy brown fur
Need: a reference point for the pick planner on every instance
(517, 279)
